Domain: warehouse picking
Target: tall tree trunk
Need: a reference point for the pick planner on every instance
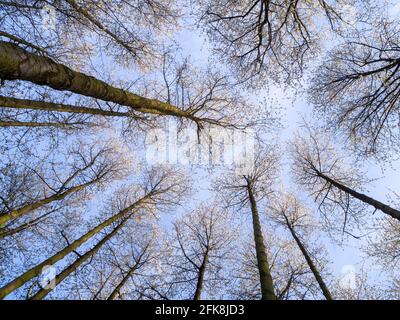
(310, 263)
(200, 278)
(19, 64)
(118, 288)
(33, 206)
(267, 287)
(35, 271)
(77, 263)
(362, 197)
(32, 124)
(101, 27)
(16, 103)
(5, 232)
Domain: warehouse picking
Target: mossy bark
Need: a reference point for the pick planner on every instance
(33, 206)
(267, 287)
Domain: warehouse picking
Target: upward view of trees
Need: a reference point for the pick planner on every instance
(87, 87)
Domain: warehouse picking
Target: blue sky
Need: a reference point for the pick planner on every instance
(295, 108)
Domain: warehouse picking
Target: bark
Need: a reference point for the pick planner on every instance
(19, 64)
(310, 262)
(41, 294)
(267, 287)
(15, 103)
(200, 278)
(41, 124)
(35, 271)
(364, 198)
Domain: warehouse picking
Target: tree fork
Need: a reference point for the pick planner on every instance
(33, 206)
(41, 294)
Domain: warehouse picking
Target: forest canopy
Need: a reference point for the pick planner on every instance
(199, 149)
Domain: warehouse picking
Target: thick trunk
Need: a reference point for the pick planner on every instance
(267, 287)
(15, 103)
(19, 64)
(33, 206)
(362, 197)
(77, 263)
(200, 278)
(35, 271)
(310, 263)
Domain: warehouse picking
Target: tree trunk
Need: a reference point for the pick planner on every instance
(15, 103)
(9, 232)
(122, 283)
(362, 197)
(33, 206)
(19, 64)
(200, 278)
(42, 124)
(310, 263)
(77, 263)
(35, 271)
(267, 287)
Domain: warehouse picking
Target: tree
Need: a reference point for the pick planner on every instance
(255, 36)
(357, 87)
(291, 274)
(30, 189)
(200, 246)
(383, 244)
(331, 181)
(161, 188)
(52, 27)
(246, 188)
(208, 103)
(291, 214)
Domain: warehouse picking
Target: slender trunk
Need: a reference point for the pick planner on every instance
(118, 288)
(15, 103)
(310, 263)
(267, 287)
(35, 271)
(200, 278)
(77, 263)
(9, 232)
(19, 64)
(362, 197)
(33, 206)
(42, 124)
